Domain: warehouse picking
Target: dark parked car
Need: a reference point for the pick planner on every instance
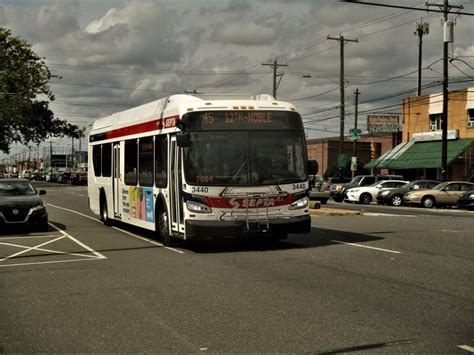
(79, 178)
(320, 192)
(20, 204)
(64, 178)
(466, 201)
(394, 197)
(337, 190)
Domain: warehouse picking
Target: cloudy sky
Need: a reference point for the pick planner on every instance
(115, 54)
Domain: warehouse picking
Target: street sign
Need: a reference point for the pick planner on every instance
(355, 131)
(354, 163)
(354, 137)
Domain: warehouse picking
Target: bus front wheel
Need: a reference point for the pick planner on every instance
(163, 227)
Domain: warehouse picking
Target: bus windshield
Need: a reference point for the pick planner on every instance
(244, 157)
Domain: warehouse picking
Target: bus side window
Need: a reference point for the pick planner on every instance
(161, 161)
(107, 160)
(131, 162)
(145, 161)
(96, 159)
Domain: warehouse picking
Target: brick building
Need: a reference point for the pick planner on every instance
(419, 154)
(325, 150)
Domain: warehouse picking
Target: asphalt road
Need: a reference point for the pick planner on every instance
(378, 283)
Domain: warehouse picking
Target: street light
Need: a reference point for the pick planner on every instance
(307, 76)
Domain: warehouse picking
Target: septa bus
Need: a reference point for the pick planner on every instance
(192, 167)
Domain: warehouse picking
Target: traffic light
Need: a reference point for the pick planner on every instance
(372, 151)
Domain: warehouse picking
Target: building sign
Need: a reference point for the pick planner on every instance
(383, 123)
(435, 135)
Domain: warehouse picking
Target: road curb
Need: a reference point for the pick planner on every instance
(332, 212)
(315, 209)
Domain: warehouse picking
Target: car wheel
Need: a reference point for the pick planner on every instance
(396, 200)
(365, 199)
(428, 202)
(163, 227)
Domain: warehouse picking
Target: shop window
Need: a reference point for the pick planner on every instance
(470, 117)
(435, 122)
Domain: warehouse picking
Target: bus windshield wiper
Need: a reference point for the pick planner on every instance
(236, 175)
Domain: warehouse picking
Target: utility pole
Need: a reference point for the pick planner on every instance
(444, 124)
(356, 112)
(422, 28)
(342, 41)
(275, 67)
(355, 131)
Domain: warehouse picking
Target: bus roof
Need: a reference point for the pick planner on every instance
(178, 105)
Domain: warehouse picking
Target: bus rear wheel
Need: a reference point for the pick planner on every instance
(104, 212)
(163, 227)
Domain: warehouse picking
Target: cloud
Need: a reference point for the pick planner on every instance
(197, 42)
(262, 30)
(47, 21)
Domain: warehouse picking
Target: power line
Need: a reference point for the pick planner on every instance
(407, 7)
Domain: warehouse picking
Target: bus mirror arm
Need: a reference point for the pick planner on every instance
(182, 139)
(180, 125)
(312, 167)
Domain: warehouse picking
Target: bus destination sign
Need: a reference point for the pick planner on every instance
(223, 120)
(231, 117)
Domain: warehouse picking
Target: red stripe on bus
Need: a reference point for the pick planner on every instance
(252, 202)
(153, 125)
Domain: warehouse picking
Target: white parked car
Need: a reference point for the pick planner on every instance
(367, 194)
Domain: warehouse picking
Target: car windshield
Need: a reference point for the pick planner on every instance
(251, 157)
(16, 188)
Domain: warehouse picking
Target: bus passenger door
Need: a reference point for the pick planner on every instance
(176, 191)
(117, 193)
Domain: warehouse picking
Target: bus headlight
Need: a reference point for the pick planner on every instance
(298, 204)
(197, 207)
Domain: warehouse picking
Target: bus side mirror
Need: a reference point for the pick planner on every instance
(182, 139)
(312, 167)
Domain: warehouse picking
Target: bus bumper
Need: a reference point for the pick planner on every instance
(217, 229)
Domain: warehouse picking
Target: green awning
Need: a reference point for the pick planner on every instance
(418, 155)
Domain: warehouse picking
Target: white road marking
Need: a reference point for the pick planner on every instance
(79, 213)
(96, 253)
(467, 348)
(50, 262)
(43, 249)
(30, 248)
(367, 247)
(121, 230)
(373, 214)
(148, 240)
(96, 256)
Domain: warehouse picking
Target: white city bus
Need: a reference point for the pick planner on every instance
(190, 167)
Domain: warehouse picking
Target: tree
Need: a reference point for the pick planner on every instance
(25, 96)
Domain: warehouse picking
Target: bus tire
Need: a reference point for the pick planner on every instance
(104, 212)
(162, 225)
